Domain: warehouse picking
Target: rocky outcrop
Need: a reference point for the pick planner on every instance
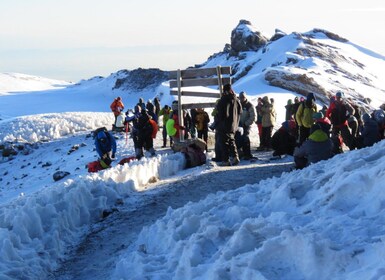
(300, 83)
(140, 79)
(277, 35)
(245, 38)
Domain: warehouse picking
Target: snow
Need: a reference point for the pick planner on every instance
(254, 221)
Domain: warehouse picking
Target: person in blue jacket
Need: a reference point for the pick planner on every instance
(105, 145)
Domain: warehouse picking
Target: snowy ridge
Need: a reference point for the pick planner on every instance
(323, 222)
(46, 223)
(47, 127)
(16, 82)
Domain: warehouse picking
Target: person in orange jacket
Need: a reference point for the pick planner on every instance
(117, 107)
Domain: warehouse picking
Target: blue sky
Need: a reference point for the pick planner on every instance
(73, 40)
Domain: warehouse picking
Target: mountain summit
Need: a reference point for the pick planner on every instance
(317, 61)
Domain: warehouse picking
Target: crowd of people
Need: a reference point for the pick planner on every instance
(308, 134)
(311, 135)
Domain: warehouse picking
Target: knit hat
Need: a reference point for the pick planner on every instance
(339, 94)
(310, 96)
(265, 99)
(227, 87)
(289, 102)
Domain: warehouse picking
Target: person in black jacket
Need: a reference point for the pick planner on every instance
(141, 131)
(284, 139)
(370, 134)
(229, 112)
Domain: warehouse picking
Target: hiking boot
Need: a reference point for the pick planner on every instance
(235, 161)
(225, 163)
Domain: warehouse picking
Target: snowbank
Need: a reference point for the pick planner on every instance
(35, 231)
(51, 126)
(324, 222)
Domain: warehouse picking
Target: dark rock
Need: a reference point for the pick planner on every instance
(244, 38)
(46, 164)
(10, 151)
(278, 35)
(140, 79)
(60, 175)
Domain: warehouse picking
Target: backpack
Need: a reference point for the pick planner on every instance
(96, 131)
(154, 128)
(194, 156)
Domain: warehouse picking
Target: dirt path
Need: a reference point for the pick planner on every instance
(97, 255)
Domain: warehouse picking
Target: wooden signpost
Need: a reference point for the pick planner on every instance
(181, 82)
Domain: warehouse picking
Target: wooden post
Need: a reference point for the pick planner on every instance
(219, 74)
(180, 113)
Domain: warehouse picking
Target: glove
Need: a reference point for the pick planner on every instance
(113, 156)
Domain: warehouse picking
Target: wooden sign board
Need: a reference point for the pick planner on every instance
(181, 80)
(196, 93)
(200, 73)
(196, 106)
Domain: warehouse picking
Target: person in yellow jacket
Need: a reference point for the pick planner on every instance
(304, 117)
(165, 112)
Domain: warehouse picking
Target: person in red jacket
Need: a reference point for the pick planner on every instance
(338, 113)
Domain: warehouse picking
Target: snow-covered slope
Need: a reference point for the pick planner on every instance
(317, 61)
(14, 83)
(324, 222)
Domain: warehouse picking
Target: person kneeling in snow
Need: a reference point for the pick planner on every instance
(317, 147)
(105, 145)
(284, 139)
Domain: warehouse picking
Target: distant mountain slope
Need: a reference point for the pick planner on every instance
(15, 82)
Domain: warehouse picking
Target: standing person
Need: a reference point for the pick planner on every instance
(268, 122)
(105, 146)
(193, 131)
(218, 142)
(165, 112)
(246, 120)
(229, 111)
(338, 113)
(304, 117)
(151, 110)
(294, 112)
(188, 123)
(157, 106)
(117, 107)
(174, 129)
(142, 130)
(202, 120)
(289, 110)
(259, 120)
(141, 103)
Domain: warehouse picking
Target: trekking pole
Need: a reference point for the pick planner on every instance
(126, 134)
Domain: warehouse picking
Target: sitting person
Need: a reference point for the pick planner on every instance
(317, 147)
(283, 141)
(370, 133)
